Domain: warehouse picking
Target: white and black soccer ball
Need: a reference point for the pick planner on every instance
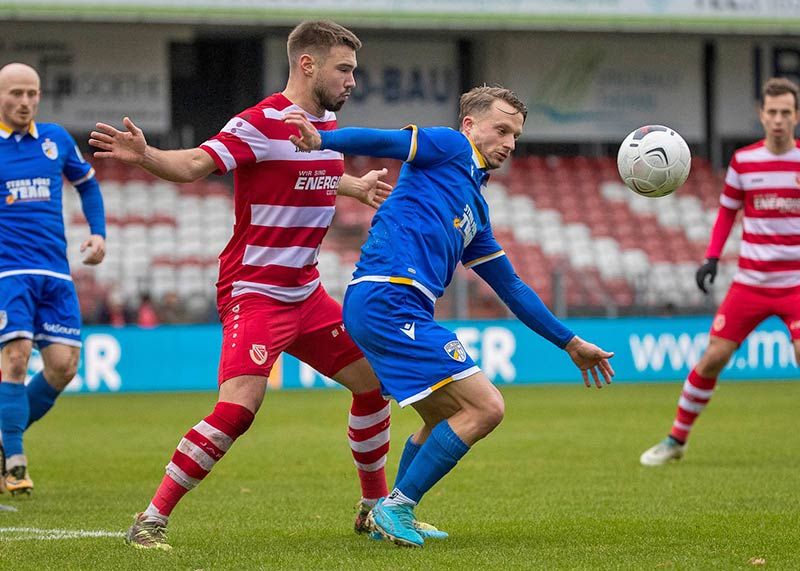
(654, 161)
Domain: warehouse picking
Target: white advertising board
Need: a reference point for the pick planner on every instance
(95, 73)
(600, 87)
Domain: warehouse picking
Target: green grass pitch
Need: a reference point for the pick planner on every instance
(557, 486)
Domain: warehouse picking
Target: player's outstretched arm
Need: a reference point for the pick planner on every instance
(529, 308)
(382, 143)
(369, 189)
(131, 147)
(590, 358)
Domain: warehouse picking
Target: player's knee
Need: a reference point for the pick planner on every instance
(491, 414)
(16, 358)
(715, 358)
(61, 373)
(713, 364)
(497, 411)
(358, 377)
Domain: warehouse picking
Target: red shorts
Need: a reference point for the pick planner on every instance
(256, 329)
(746, 306)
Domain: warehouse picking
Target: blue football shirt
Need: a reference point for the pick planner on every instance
(435, 218)
(31, 185)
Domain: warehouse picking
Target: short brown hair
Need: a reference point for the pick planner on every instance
(775, 86)
(319, 36)
(479, 99)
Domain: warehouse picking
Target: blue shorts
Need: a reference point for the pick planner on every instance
(411, 354)
(39, 307)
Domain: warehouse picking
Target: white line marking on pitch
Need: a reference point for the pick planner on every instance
(28, 533)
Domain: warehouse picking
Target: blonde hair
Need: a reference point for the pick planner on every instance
(480, 99)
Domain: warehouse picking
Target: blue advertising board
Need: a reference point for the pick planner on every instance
(176, 358)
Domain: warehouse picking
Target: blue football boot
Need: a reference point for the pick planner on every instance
(396, 523)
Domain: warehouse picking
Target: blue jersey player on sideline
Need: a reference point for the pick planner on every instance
(435, 218)
(38, 303)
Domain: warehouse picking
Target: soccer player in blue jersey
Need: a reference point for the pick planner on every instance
(435, 218)
(38, 303)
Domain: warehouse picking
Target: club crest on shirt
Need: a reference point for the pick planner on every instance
(258, 353)
(3, 319)
(456, 351)
(719, 322)
(466, 225)
(50, 149)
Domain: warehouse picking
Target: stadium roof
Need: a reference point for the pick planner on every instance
(700, 16)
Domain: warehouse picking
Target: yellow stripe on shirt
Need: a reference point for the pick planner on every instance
(478, 261)
(412, 152)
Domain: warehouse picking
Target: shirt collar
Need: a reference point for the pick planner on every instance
(6, 131)
(480, 162)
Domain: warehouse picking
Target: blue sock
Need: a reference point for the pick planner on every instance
(13, 416)
(436, 457)
(41, 397)
(409, 453)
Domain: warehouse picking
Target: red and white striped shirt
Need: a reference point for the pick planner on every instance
(768, 187)
(283, 199)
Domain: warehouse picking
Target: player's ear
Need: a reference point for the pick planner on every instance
(467, 123)
(306, 64)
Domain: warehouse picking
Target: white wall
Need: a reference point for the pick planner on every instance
(587, 87)
(400, 81)
(93, 72)
(744, 64)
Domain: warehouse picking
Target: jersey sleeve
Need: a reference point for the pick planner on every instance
(244, 140)
(432, 145)
(726, 217)
(732, 193)
(483, 248)
(523, 301)
(76, 169)
(382, 143)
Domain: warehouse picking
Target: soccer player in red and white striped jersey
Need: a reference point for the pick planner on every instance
(763, 179)
(270, 298)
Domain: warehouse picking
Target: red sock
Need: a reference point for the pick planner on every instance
(198, 451)
(696, 393)
(368, 432)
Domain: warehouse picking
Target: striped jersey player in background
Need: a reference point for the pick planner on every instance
(763, 179)
(436, 218)
(38, 302)
(270, 298)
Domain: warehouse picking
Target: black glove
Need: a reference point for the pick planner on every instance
(708, 269)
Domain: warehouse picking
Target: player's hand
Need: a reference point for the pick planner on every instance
(128, 147)
(374, 191)
(309, 139)
(95, 248)
(590, 358)
(707, 271)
